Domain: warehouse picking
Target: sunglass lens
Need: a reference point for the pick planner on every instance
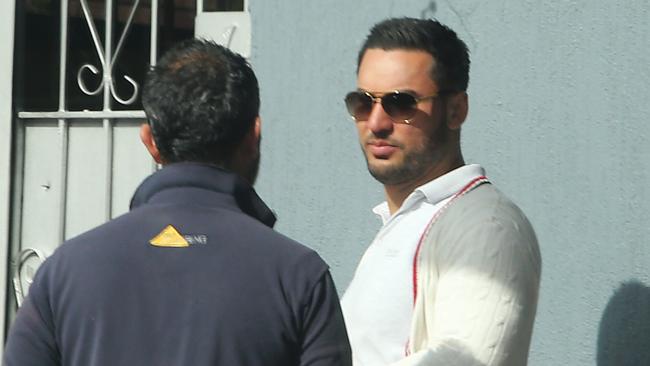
(400, 106)
(359, 105)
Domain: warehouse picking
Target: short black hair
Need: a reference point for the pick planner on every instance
(200, 99)
(450, 53)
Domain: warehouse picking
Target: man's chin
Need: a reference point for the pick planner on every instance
(387, 173)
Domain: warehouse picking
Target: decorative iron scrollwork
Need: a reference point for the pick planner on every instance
(107, 64)
(21, 281)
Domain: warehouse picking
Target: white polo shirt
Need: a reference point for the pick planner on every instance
(378, 303)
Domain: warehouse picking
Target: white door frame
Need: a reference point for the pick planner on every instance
(6, 119)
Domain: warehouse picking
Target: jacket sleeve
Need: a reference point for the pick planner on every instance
(479, 293)
(325, 340)
(31, 340)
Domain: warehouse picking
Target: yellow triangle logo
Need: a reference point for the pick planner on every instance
(170, 238)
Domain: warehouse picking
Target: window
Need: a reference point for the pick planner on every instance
(38, 54)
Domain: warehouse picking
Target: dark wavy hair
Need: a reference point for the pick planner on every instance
(201, 100)
(451, 71)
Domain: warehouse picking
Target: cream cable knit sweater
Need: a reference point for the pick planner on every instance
(478, 282)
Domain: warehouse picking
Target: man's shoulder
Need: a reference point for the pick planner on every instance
(486, 217)
(485, 202)
(237, 248)
(234, 231)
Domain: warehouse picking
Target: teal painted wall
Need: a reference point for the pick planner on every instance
(559, 116)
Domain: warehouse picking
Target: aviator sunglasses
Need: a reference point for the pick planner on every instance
(400, 106)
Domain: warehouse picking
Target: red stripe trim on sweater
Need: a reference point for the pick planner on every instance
(470, 186)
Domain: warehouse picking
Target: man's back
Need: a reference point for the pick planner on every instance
(191, 276)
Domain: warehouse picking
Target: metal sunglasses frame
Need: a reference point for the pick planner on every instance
(379, 98)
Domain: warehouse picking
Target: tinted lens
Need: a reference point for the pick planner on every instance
(400, 106)
(359, 105)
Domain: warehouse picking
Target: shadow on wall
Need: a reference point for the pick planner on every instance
(624, 333)
(429, 11)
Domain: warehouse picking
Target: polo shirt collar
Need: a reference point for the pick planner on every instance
(449, 184)
(435, 191)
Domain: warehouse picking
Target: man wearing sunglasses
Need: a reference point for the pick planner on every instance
(452, 277)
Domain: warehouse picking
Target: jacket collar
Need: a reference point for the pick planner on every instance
(207, 177)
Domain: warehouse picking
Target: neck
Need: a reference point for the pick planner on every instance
(397, 193)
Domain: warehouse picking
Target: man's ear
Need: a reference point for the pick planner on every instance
(250, 144)
(147, 139)
(457, 106)
(253, 136)
(258, 128)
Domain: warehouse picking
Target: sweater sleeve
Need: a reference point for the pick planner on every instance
(479, 292)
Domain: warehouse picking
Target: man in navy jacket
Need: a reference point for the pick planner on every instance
(194, 274)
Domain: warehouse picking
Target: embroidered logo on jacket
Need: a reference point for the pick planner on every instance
(170, 237)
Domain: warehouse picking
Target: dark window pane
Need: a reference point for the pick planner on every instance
(36, 69)
(223, 5)
(37, 51)
(175, 22)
